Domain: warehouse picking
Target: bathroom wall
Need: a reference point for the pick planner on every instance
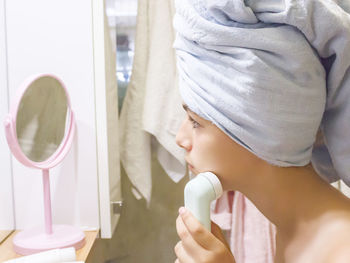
(40, 41)
(144, 235)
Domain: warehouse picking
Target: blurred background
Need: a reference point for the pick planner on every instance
(143, 234)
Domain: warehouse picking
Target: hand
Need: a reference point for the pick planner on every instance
(197, 244)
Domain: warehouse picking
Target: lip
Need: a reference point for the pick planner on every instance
(190, 167)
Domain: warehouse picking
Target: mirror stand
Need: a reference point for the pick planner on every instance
(47, 202)
(53, 236)
(42, 98)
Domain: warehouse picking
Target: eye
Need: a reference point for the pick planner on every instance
(194, 123)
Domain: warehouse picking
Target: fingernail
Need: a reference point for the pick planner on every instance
(182, 210)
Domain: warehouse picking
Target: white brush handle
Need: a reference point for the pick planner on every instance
(199, 193)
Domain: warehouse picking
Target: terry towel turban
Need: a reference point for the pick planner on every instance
(273, 75)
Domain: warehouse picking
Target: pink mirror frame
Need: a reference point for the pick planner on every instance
(11, 133)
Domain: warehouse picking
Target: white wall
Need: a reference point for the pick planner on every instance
(56, 37)
(6, 199)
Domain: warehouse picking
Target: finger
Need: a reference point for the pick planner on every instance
(217, 232)
(189, 244)
(201, 235)
(181, 253)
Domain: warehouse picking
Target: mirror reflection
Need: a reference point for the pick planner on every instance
(121, 16)
(42, 119)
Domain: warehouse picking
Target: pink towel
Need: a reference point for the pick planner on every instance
(250, 234)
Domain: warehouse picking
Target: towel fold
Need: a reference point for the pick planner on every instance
(271, 75)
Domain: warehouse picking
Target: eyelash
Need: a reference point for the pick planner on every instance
(194, 123)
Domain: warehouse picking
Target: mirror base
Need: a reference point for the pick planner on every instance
(36, 240)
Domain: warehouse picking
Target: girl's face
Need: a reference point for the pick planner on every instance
(208, 149)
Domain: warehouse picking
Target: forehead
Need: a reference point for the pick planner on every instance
(189, 111)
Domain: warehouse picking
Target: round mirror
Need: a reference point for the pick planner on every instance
(39, 130)
(41, 121)
(40, 126)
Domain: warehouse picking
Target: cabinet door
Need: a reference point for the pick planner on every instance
(6, 194)
(106, 93)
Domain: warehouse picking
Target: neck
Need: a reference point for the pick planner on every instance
(289, 196)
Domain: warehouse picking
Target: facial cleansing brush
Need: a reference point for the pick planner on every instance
(199, 193)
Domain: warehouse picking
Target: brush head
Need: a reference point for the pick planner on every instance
(214, 180)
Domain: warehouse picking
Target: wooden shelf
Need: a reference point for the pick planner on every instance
(7, 253)
(4, 234)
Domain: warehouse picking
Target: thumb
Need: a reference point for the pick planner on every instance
(217, 232)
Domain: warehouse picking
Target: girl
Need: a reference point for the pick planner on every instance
(311, 216)
(266, 87)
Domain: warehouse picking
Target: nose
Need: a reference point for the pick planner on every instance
(183, 136)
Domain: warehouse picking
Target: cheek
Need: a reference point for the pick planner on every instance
(212, 155)
(208, 153)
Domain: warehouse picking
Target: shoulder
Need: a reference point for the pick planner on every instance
(340, 254)
(336, 242)
(329, 242)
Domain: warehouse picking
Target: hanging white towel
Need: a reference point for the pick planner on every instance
(152, 106)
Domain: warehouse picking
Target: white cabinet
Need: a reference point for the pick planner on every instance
(65, 38)
(7, 221)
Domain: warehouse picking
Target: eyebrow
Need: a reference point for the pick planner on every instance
(187, 109)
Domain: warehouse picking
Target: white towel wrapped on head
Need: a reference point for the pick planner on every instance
(272, 75)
